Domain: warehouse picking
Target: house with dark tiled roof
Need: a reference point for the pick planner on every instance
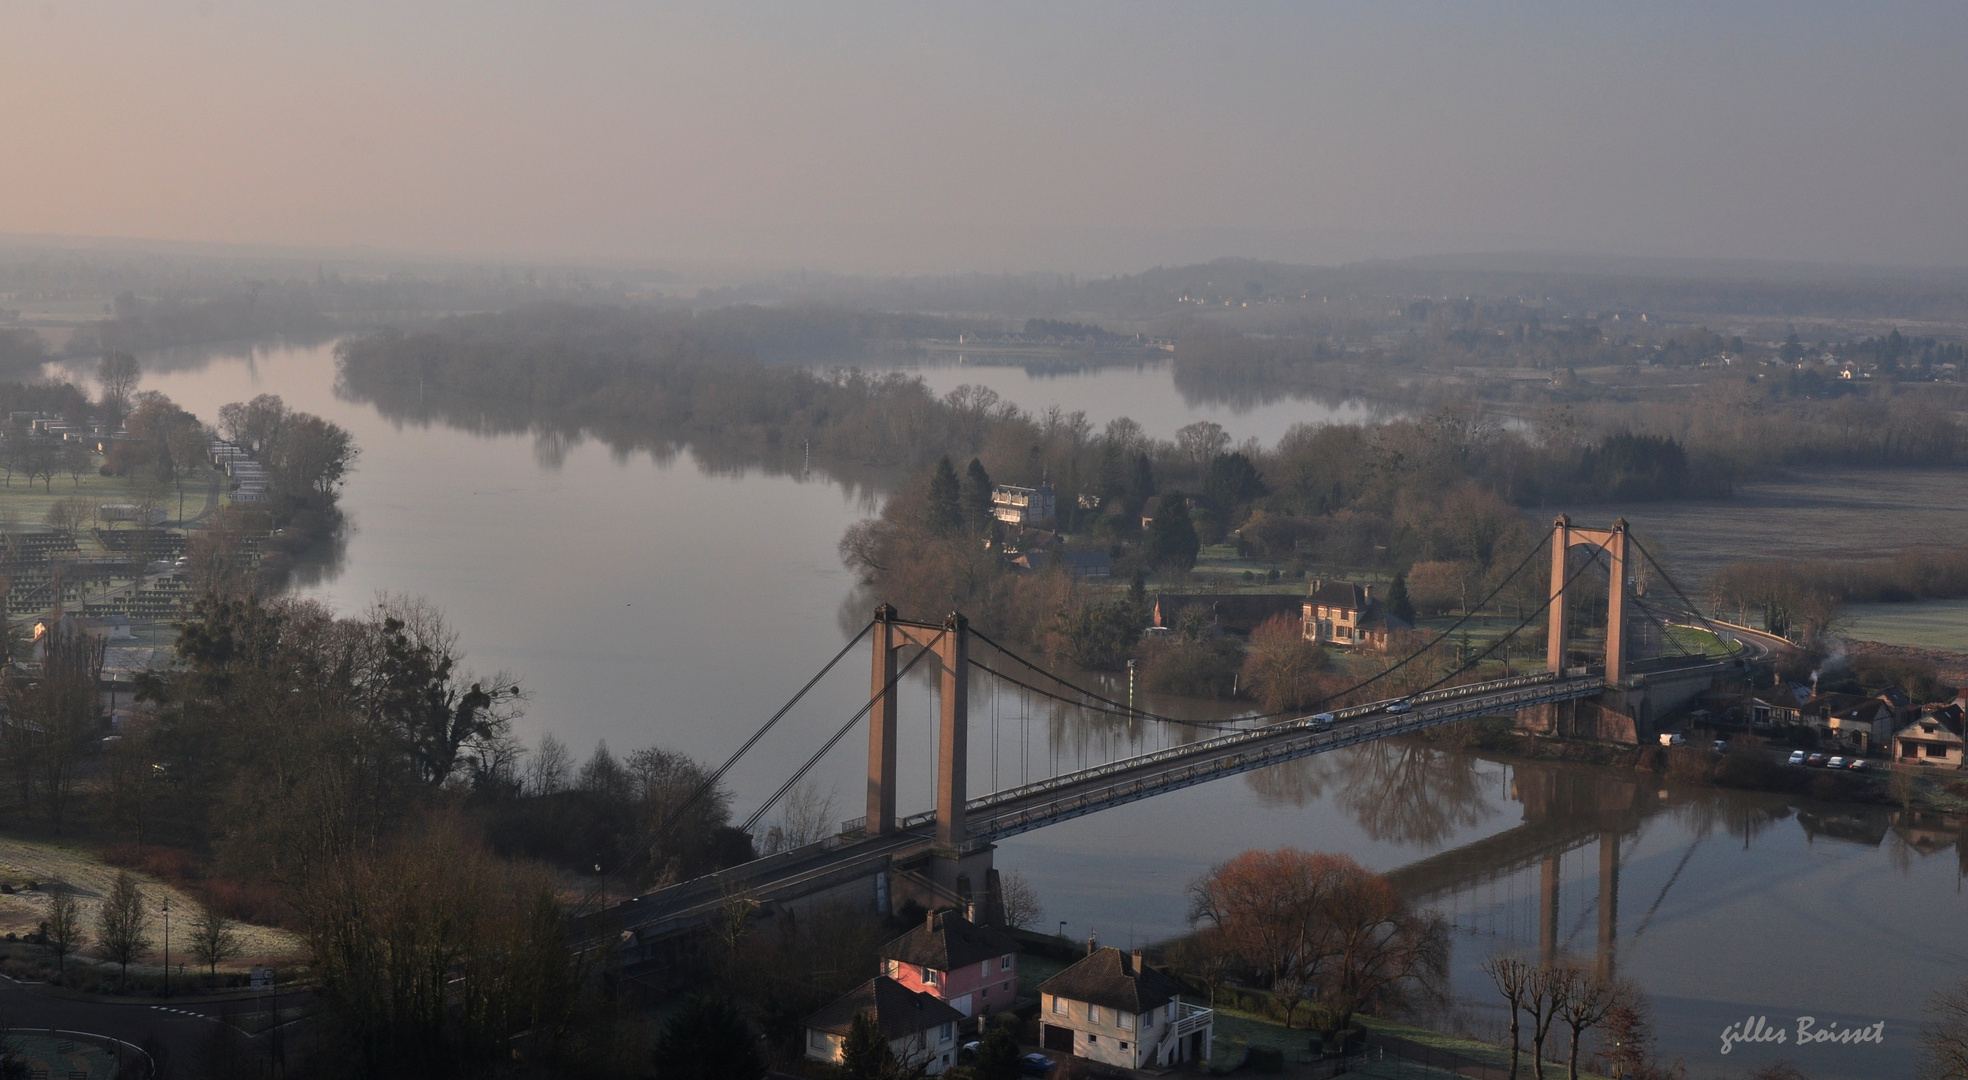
(921, 1030)
(1934, 739)
(1111, 1007)
(972, 968)
(1345, 614)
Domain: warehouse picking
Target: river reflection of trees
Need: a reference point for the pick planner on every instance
(1400, 792)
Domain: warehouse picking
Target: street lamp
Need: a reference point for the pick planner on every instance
(167, 946)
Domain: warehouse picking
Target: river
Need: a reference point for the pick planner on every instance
(678, 602)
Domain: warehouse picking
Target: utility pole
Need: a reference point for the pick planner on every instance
(167, 945)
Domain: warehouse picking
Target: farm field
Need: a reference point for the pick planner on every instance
(1822, 514)
(1931, 624)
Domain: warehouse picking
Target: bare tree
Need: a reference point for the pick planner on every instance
(1544, 1000)
(1588, 998)
(1512, 978)
(63, 928)
(117, 373)
(805, 817)
(1021, 901)
(122, 923)
(1944, 1036)
(212, 938)
(547, 773)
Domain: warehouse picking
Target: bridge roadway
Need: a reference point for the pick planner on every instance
(842, 859)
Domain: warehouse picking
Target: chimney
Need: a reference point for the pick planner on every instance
(1316, 586)
(1093, 943)
(1140, 965)
(930, 920)
(1367, 592)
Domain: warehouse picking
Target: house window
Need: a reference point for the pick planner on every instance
(1147, 1020)
(1171, 1012)
(1126, 1020)
(817, 1039)
(1004, 962)
(1093, 1014)
(947, 1026)
(1059, 1005)
(984, 970)
(930, 976)
(1092, 1038)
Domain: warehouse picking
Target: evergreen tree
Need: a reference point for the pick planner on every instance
(1397, 599)
(1171, 539)
(1140, 481)
(865, 1055)
(945, 508)
(976, 497)
(707, 1040)
(997, 1058)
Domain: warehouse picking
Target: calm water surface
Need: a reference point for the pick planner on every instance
(675, 603)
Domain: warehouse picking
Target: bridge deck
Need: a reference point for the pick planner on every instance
(1011, 812)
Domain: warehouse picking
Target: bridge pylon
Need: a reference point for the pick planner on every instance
(1564, 537)
(950, 640)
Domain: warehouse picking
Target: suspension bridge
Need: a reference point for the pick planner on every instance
(942, 857)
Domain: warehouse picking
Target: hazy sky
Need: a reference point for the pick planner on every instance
(1083, 137)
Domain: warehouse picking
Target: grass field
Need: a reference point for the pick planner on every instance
(1930, 624)
(22, 910)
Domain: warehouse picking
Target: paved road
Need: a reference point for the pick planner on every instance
(178, 1033)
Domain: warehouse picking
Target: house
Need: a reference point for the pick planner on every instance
(1113, 1008)
(1237, 613)
(1342, 613)
(972, 968)
(1022, 506)
(921, 1031)
(1933, 739)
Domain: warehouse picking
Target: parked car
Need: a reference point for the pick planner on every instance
(1797, 757)
(1857, 763)
(1721, 746)
(1035, 1064)
(1401, 706)
(1322, 722)
(1672, 738)
(1815, 760)
(1837, 762)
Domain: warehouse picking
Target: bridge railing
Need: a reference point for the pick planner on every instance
(1255, 734)
(1271, 749)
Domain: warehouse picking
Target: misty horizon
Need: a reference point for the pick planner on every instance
(891, 140)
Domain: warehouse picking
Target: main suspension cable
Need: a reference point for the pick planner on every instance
(800, 774)
(669, 820)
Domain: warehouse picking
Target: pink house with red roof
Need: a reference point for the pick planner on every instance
(972, 968)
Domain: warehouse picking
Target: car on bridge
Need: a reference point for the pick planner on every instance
(1322, 722)
(1401, 706)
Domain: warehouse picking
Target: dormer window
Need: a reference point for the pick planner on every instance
(931, 976)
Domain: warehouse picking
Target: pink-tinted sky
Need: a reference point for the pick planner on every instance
(914, 137)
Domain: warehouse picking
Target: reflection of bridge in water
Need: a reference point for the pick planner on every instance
(942, 858)
(1564, 811)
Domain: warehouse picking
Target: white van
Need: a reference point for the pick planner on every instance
(1322, 722)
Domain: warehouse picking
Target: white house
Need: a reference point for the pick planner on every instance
(920, 1028)
(1113, 1008)
(1022, 506)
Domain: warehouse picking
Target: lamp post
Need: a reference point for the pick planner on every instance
(167, 946)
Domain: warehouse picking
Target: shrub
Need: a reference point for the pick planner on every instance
(1265, 1059)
